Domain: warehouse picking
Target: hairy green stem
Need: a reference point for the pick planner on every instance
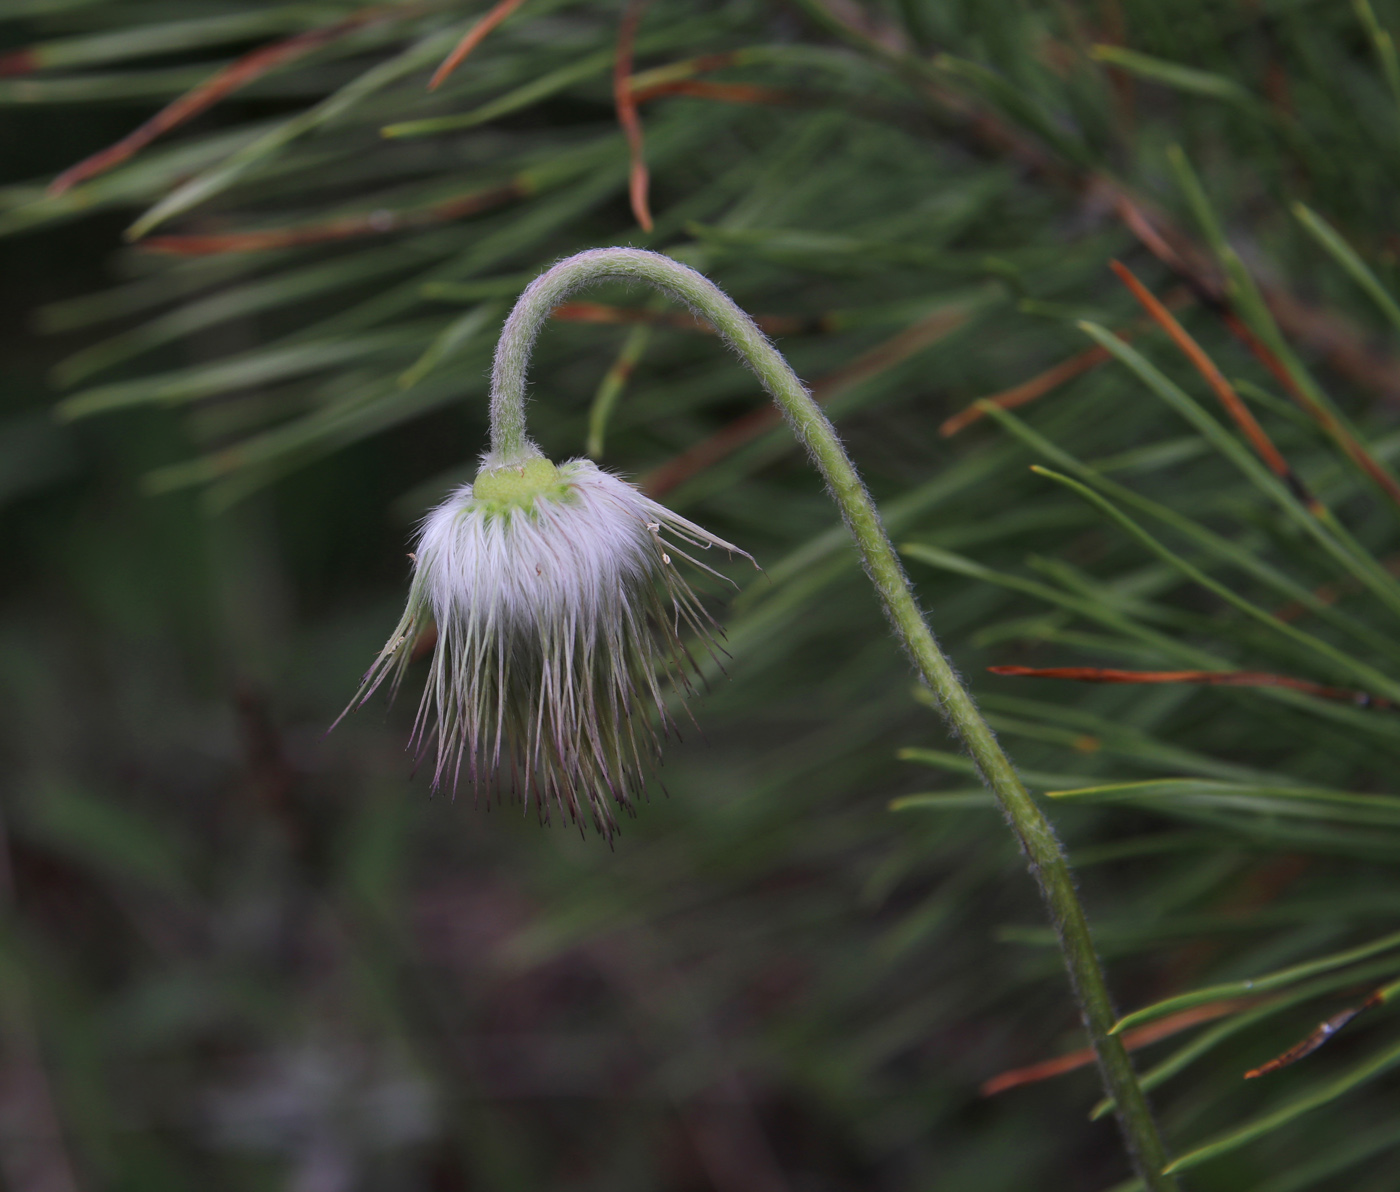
(510, 445)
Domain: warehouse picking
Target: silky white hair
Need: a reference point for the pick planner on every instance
(560, 620)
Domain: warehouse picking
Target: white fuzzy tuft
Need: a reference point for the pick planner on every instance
(559, 618)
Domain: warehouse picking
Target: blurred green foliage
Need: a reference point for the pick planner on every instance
(236, 953)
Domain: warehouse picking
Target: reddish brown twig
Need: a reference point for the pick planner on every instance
(236, 75)
(1215, 299)
(1100, 674)
(1323, 1034)
(1319, 413)
(708, 452)
(370, 223)
(1261, 352)
(638, 180)
(1052, 378)
(1343, 346)
(1028, 391)
(723, 92)
(744, 430)
(1240, 413)
(1139, 1037)
(473, 38)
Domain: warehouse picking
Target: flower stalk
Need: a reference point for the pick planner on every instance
(511, 447)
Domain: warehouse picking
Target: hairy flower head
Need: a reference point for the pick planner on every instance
(561, 620)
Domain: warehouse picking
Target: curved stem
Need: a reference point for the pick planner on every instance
(1047, 862)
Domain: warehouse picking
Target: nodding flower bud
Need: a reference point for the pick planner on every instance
(561, 618)
(560, 614)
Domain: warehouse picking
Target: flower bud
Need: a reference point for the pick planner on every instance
(561, 620)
